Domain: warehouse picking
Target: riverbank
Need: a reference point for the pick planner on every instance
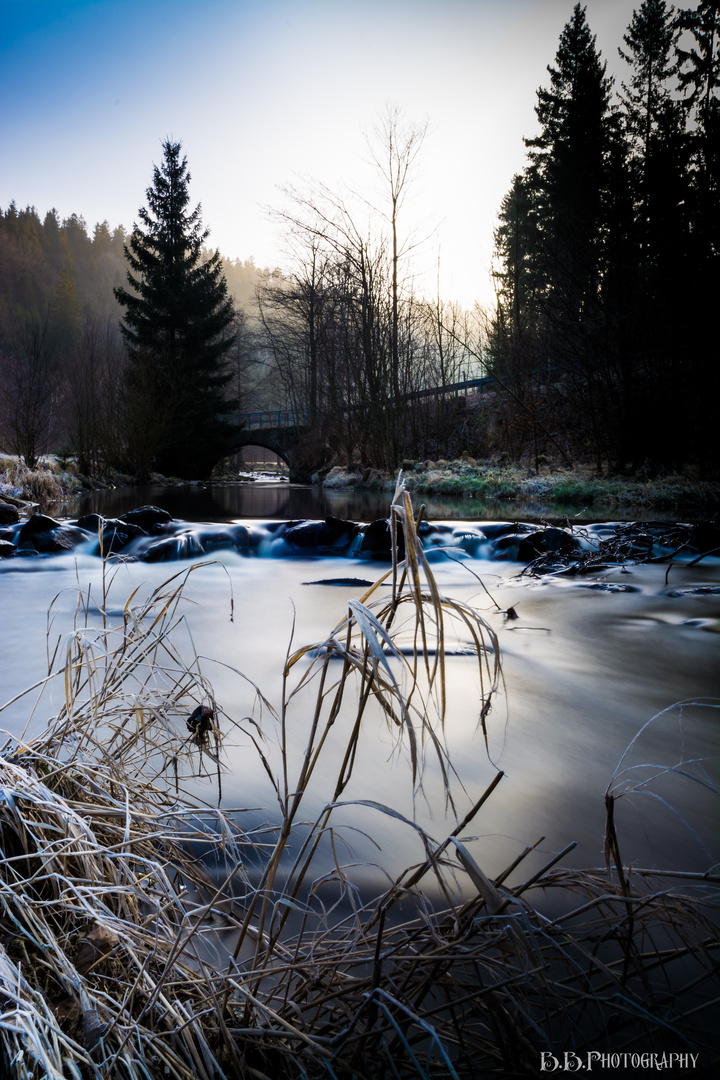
(54, 480)
(577, 486)
(580, 486)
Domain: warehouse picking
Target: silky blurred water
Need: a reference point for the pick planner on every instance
(584, 670)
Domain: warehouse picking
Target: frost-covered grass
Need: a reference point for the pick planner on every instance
(578, 486)
(42, 484)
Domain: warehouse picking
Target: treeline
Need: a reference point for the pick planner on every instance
(602, 343)
(62, 358)
(605, 337)
(603, 340)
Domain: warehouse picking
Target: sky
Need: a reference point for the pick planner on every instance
(264, 94)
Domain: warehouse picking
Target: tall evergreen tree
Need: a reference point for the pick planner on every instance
(650, 43)
(567, 174)
(699, 78)
(177, 330)
(515, 353)
(516, 282)
(655, 132)
(567, 163)
(654, 128)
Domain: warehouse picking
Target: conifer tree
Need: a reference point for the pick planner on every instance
(177, 331)
(516, 320)
(653, 123)
(567, 163)
(699, 78)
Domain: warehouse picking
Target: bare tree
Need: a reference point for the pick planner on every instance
(394, 149)
(29, 390)
(93, 396)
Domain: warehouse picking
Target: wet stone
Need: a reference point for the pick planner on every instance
(331, 534)
(377, 540)
(551, 540)
(698, 590)
(38, 523)
(116, 533)
(217, 541)
(609, 587)
(48, 537)
(148, 518)
(9, 515)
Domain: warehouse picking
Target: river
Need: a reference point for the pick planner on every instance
(587, 664)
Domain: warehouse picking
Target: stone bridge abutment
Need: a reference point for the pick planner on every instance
(287, 434)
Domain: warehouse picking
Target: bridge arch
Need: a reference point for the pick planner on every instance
(287, 433)
(259, 438)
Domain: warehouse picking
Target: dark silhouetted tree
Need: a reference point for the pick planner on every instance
(654, 127)
(699, 78)
(177, 328)
(567, 173)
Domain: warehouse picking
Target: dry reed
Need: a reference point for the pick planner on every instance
(123, 956)
(41, 484)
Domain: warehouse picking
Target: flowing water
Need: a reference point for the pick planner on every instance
(587, 664)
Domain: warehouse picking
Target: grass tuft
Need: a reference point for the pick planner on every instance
(43, 484)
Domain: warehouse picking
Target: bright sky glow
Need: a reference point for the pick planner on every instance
(264, 92)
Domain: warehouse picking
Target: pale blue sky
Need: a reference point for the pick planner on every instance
(261, 93)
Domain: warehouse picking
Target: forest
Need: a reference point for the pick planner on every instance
(601, 346)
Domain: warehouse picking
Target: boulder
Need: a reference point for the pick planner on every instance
(186, 545)
(148, 518)
(550, 540)
(6, 549)
(89, 522)
(9, 515)
(242, 538)
(47, 536)
(217, 540)
(116, 533)
(331, 535)
(376, 541)
(38, 523)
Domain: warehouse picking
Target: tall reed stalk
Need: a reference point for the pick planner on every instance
(122, 955)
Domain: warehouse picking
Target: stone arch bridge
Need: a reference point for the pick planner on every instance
(288, 434)
(285, 431)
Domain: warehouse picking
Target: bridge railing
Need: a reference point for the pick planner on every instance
(259, 421)
(287, 418)
(300, 418)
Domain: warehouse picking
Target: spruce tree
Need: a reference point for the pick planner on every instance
(699, 78)
(654, 127)
(568, 177)
(567, 172)
(177, 331)
(657, 177)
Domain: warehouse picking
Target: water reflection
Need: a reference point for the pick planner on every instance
(277, 500)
